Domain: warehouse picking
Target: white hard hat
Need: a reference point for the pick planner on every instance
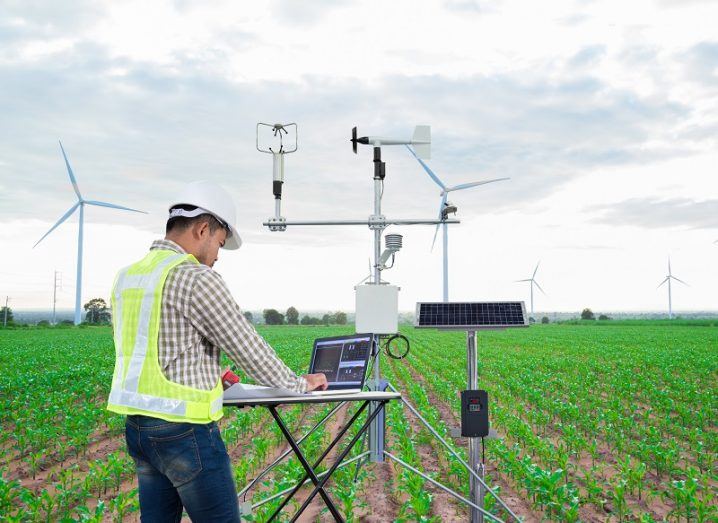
(210, 198)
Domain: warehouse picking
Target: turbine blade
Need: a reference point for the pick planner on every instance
(664, 281)
(527, 279)
(72, 175)
(435, 233)
(539, 287)
(474, 184)
(536, 269)
(112, 206)
(428, 171)
(678, 279)
(64, 217)
(669, 266)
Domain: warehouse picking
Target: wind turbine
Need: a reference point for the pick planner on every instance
(533, 282)
(668, 279)
(81, 202)
(446, 208)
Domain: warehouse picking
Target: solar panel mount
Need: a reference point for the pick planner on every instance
(471, 315)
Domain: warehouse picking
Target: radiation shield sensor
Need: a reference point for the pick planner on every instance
(471, 316)
(377, 308)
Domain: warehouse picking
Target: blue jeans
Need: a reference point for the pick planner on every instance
(181, 465)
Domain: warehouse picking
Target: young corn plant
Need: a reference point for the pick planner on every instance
(618, 496)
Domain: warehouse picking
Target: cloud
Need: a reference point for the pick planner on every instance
(135, 132)
(574, 19)
(701, 63)
(681, 3)
(544, 95)
(304, 13)
(588, 56)
(39, 18)
(586, 247)
(638, 55)
(472, 6)
(33, 26)
(656, 213)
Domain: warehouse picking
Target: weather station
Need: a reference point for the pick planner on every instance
(377, 313)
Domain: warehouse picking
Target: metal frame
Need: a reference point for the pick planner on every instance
(475, 475)
(287, 452)
(319, 480)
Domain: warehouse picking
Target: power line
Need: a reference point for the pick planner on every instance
(54, 295)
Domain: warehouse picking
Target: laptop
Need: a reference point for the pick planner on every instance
(344, 360)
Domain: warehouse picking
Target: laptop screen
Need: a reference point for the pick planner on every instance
(343, 359)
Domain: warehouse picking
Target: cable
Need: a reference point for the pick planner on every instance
(396, 337)
(369, 368)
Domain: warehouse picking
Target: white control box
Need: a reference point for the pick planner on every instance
(377, 309)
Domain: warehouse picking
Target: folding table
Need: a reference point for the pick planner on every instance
(379, 399)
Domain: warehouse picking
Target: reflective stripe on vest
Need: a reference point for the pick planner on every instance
(156, 396)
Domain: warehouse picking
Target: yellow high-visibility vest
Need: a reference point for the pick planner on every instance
(138, 385)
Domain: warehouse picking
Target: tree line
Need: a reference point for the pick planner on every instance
(291, 317)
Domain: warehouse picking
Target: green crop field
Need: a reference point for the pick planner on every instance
(597, 422)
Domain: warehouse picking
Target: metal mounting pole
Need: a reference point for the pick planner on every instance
(78, 280)
(476, 488)
(377, 428)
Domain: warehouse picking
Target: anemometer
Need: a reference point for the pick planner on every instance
(278, 133)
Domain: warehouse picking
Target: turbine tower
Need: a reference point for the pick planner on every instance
(81, 202)
(668, 279)
(533, 282)
(446, 208)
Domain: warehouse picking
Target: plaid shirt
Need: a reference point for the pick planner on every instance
(199, 318)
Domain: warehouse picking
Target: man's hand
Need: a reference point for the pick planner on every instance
(316, 381)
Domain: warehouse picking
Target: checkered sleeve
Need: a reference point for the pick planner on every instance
(217, 316)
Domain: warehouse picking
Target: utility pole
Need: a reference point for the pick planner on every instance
(7, 298)
(54, 297)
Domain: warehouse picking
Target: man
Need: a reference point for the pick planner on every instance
(172, 315)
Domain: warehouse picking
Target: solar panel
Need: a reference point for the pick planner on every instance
(471, 316)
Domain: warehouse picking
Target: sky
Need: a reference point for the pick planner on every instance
(603, 114)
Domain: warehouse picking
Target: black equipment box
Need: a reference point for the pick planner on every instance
(474, 413)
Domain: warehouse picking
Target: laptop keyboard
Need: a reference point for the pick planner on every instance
(328, 392)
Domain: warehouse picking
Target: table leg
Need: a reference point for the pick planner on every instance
(318, 489)
(324, 454)
(319, 486)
